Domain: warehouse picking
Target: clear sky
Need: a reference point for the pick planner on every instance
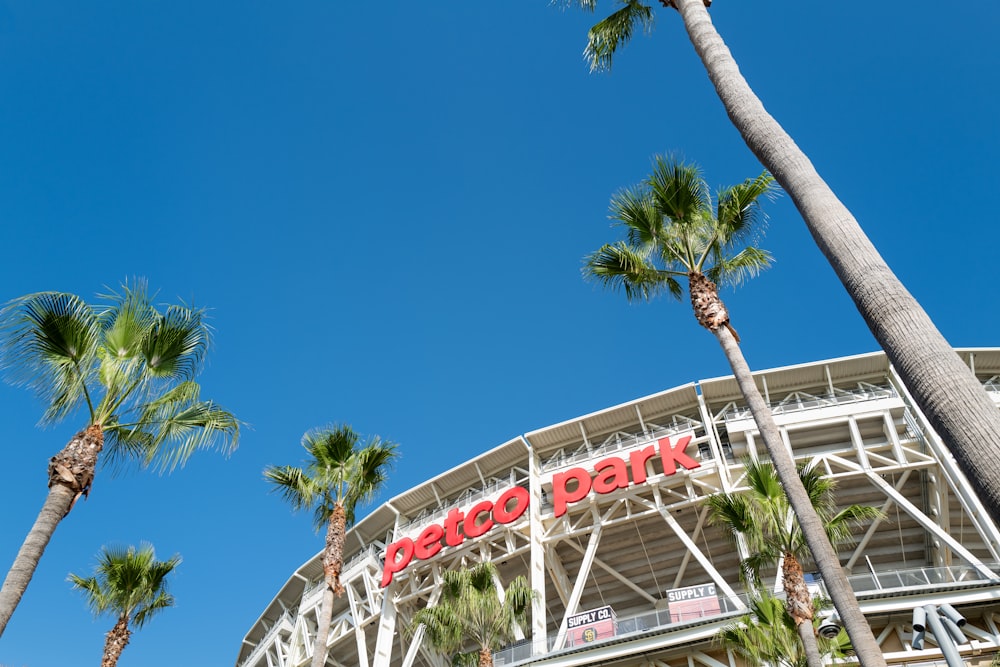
(386, 205)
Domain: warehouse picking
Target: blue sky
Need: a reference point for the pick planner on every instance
(386, 212)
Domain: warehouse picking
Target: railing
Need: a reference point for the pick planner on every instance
(372, 551)
(919, 577)
(627, 441)
(781, 407)
(268, 638)
(722, 608)
(470, 499)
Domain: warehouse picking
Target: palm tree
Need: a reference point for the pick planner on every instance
(944, 389)
(472, 609)
(767, 635)
(672, 232)
(764, 518)
(131, 367)
(341, 472)
(129, 584)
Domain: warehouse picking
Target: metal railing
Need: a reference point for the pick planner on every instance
(623, 441)
(465, 499)
(847, 396)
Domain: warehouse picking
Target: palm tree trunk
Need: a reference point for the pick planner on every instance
(811, 647)
(945, 390)
(485, 657)
(115, 642)
(800, 607)
(867, 649)
(333, 553)
(71, 472)
(333, 562)
(323, 628)
(57, 504)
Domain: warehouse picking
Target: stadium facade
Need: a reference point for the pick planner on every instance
(604, 515)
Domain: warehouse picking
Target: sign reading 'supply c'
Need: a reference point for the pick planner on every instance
(612, 473)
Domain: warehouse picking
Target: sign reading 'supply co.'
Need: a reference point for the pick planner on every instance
(609, 474)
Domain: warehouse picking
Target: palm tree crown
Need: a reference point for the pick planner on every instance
(472, 609)
(129, 584)
(673, 230)
(131, 365)
(340, 470)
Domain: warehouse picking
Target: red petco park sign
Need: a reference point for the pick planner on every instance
(609, 474)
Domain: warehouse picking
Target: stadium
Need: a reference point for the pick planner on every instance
(604, 515)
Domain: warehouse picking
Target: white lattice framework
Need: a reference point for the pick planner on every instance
(627, 548)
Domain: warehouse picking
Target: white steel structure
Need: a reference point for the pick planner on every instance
(635, 542)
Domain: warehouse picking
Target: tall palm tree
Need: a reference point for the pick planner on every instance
(764, 518)
(767, 635)
(129, 584)
(944, 389)
(340, 473)
(130, 366)
(472, 609)
(672, 232)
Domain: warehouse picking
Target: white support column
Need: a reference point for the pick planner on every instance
(536, 574)
(359, 632)
(386, 628)
(559, 576)
(418, 635)
(581, 582)
(715, 442)
(863, 542)
(858, 442)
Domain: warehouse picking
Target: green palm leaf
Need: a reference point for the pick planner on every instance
(625, 267)
(170, 428)
(176, 343)
(604, 39)
(49, 343)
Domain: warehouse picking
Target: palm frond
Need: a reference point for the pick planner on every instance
(180, 424)
(125, 446)
(176, 343)
(635, 209)
(629, 268)
(679, 190)
(739, 209)
(127, 321)
(735, 270)
(606, 36)
(374, 462)
(292, 484)
(48, 343)
(839, 526)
